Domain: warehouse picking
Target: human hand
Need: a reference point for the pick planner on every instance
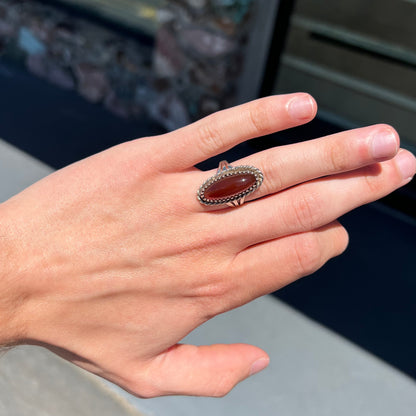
(111, 261)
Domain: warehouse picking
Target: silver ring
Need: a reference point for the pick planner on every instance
(230, 185)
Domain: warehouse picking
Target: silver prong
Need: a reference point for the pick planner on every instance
(223, 166)
(237, 202)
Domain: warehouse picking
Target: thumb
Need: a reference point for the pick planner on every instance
(202, 371)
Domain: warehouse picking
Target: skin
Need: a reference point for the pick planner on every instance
(111, 261)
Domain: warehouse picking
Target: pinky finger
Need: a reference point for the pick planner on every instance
(269, 266)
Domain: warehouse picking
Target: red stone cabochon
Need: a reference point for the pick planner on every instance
(229, 186)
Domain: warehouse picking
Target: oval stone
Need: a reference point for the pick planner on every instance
(230, 186)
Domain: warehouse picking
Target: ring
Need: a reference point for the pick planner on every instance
(230, 185)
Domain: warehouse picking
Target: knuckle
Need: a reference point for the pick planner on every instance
(143, 389)
(224, 386)
(214, 298)
(308, 211)
(259, 116)
(343, 240)
(149, 393)
(214, 291)
(373, 184)
(215, 234)
(337, 157)
(213, 288)
(308, 254)
(273, 172)
(210, 139)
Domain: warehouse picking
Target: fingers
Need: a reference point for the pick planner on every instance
(269, 266)
(333, 154)
(316, 203)
(223, 130)
(290, 165)
(199, 371)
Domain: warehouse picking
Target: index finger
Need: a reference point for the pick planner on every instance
(223, 130)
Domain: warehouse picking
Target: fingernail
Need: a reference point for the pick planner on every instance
(406, 163)
(384, 145)
(259, 365)
(301, 107)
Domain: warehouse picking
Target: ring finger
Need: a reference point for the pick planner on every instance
(290, 165)
(313, 204)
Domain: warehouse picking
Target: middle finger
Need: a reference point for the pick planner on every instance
(290, 165)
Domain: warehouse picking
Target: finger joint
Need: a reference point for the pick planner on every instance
(307, 253)
(337, 158)
(210, 139)
(259, 116)
(308, 211)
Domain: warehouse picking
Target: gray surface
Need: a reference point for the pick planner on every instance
(33, 382)
(18, 170)
(312, 372)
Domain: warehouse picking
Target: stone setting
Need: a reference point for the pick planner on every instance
(230, 185)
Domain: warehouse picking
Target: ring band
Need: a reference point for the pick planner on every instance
(230, 185)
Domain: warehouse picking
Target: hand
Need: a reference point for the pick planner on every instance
(111, 261)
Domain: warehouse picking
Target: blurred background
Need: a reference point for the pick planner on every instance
(78, 76)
